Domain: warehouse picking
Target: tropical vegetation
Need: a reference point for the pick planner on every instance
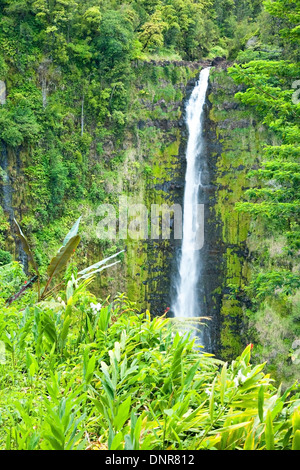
(92, 92)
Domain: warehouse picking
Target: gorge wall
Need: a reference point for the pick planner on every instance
(233, 142)
(147, 165)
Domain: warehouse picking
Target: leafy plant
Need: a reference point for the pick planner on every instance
(60, 260)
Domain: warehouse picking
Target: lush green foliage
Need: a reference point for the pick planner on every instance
(102, 376)
(269, 89)
(274, 198)
(80, 375)
(69, 69)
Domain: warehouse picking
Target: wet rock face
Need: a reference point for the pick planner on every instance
(235, 145)
(218, 61)
(195, 65)
(230, 125)
(211, 256)
(161, 283)
(223, 256)
(163, 255)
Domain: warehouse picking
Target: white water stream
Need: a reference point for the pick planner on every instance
(186, 302)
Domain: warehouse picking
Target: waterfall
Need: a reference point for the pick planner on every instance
(7, 199)
(6, 184)
(186, 304)
(2, 92)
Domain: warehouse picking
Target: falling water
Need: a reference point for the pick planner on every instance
(7, 198)
(6, 184)
(186, 304)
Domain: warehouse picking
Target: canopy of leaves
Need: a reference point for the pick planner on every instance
(274, 198)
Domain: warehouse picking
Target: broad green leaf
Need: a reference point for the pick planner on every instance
(212, 400)
(191, 374)
(90, 328)
(287, 437)
(128, 442)
(246, 354)
(223, 383)
(32, 369)
(8, 441)
(269, 432)
(224, 436)
(232, 427)
(104, 318)
(60, 260)
(90, 368)
(65, 329)
(116, 442)
(49, 328)
(296, 420)
(296, 440)
(277, 409)
(123, 339)
(137, 432)
(26, 247)
(249, 441)
(73, 232)
(260, 404)
(133, 421)
(57, 432)
(118, 351)
(176, 368)
(109, 390)
(123, 414)
(33, 441)
(123, 368)
(55, 444)
(99, 405)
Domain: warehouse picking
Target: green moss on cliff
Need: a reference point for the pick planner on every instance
(240, 145)
(138, 163)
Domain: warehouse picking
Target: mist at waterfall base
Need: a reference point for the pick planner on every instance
(186, 305)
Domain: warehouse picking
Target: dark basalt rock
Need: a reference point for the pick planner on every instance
(162, 279)
(217, 61)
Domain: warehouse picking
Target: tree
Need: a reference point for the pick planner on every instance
(276, 193)
(115, 41)
(152, 33)
(288, 10)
